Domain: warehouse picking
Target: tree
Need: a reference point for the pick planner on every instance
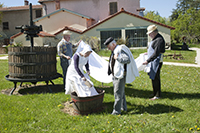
(1, 5)
(187, 25)
(182, 6)
(156, 17)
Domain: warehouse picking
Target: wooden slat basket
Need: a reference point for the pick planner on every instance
(36, 64)
(88, 105)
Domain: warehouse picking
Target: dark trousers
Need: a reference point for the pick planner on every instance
(64, 64)
(156, 83)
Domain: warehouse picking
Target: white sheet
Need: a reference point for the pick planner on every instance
(98, 66)
(132, 70)
(141, 59)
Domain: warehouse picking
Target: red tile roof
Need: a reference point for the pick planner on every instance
(44, 0)
(41, 34)
(106, 19)
(123, 11)
(110, 17)
(69, 28)
(16, 35)
(45, 34)
(26, 7)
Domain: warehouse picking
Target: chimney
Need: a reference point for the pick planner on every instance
(140, 10)
(57, 4)
(26, 2)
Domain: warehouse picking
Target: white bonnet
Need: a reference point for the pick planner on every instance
(86, 48)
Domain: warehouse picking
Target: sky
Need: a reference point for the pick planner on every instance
(163, 7)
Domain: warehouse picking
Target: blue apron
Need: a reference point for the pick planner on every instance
(153, 64)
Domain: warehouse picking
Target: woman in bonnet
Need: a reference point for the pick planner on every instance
(76, 79)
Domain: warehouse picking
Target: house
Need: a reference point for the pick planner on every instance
(122, 24)
(52, 24)
(17, 16)
(96, 9)
(118, 23)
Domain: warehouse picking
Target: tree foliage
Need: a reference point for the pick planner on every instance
(182, 6)
(156, 17)
(187, 25)
(1, 5)
(186, 19)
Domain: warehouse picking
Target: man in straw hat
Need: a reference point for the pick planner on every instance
(65, 52)
(156, 49)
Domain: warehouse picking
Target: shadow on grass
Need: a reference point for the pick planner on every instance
(129, 91)
(108, 106)
(153, 109)
(132, 92)
(40, 89)
(178, 47)
(164, 95)
(140, 109)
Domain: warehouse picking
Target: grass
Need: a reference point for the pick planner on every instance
(188, 56)
(177, 111)
(1, 55)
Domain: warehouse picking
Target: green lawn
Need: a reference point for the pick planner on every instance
(177, 111)
(1, 55)
(188, 56)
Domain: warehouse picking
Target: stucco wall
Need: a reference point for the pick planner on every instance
(125, 21)
(60, 20)
(38, 41)
(12, 17)
(16, 18)
(97, 9)
(120, 22)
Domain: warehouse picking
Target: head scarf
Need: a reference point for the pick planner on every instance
(86, 48)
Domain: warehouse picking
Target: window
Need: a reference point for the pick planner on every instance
(5, 26)
(57, 4)
(113, 7)
(116, 34)
(38, 13)
(137, 37)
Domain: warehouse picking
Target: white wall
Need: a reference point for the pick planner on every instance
(59, 20)
(38, 41)
(124, 21)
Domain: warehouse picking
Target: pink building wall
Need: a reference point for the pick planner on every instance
(96, 9)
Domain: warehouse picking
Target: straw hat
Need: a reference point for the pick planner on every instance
(67, 32)
(151, 28)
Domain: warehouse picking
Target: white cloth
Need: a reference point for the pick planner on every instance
(118, 67)
(98, 66)
(73, 80)
(132, 70)
(141, 59)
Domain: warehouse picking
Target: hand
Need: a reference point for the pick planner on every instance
(68, 57)
(115, 56)
(145, 63)
(83, 78)
(78, 43)
(88, 72)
